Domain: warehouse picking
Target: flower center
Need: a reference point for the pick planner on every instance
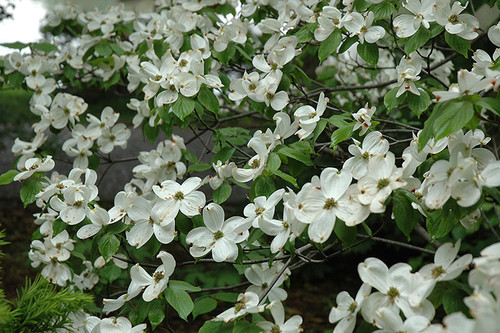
(352, 307)
(453, 18)
(179, 196)
(383, 183)
(438, 271)
(239, 306)
(260, 210)
(158, 276)
(392, 293)
(276, 329)
(218, 235)
(330, 203)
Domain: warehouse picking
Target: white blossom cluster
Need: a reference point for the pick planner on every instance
(398, 290)
(162, 192)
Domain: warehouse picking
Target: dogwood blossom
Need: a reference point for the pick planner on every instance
(218, 236)
(155, 284)
(292, 325)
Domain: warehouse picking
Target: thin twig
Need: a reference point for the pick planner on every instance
(490, 225)
(273, 282)
(235, 286)
(244, 262)
(422, 232)
(393, 242)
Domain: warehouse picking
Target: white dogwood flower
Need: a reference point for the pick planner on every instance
(218, 236)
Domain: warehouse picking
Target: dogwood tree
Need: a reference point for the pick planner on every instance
(329, 125)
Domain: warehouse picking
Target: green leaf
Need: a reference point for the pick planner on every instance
(150, 132)
(103, 49)
(117, 49)
(360, 5)
(58, 226)
(262, 185)
(304, 34)
(225, 55)
(156, 314)
(417, 40)
(254, 235)
(390, 99)
(383, 9)
(211, 327)
(108, 245)
(16, 79)
(297, 155)
(490, 103)
(110, 271)
(180, 301)
(243, 52)
(435, 29)
(15, 45)
(330, 44)
(346, 234)
(457, 43)
(320, 127)
(208, 99)
(368, 52)
(226, 297)
(419, 103)
(342, 134)
(452, 118)
(199, 167)
(116, 228)
(183, 107)
(223, 155)
(182, 285)
(139, 314)
(439, 223)
(114, 79)
(160, 47)
(406, 217)
(30, 188)
(436, 296)
(8, 177)
(142, 48)
(203, 305)
(44, 47)
(286, 177)
(243, 326)
(347, 44)
(453, 301)
(69, 72)
(273, 162)
(222, 193)
(428, 130)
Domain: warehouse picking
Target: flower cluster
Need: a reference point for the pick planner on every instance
(283, 178)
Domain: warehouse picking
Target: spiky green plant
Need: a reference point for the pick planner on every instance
(40, 306)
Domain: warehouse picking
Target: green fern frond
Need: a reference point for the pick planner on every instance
(41, 307)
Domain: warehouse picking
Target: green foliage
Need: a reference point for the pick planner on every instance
(41, 307)
(222, 193)
(183, 107)
(419, 103)
(369, 53)
(108, 245)
(8, 177)
(31, 187)
(418, 40)
(457, 43)
(406, 216)
(330, 45)
(180, 300)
